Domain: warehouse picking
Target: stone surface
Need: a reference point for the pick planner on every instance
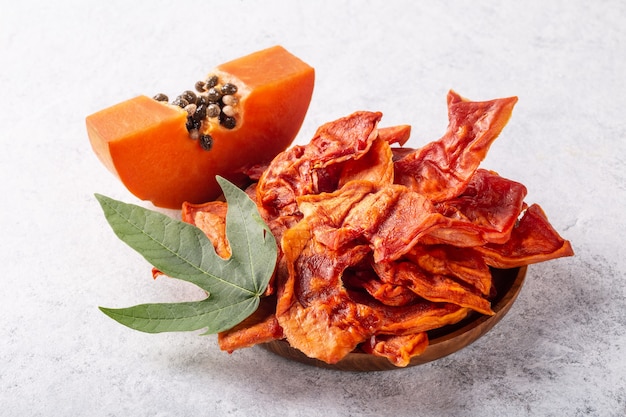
(560, 351)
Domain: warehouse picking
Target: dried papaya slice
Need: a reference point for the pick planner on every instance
(465, 265)
(533, 240)
(485, 212)
(433, 287)
(441, 169)
(260, 327)
(309, 169)
(398, 349)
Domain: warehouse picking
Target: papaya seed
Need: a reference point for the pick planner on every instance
(229, 111)
(192, 124)
(211, 81)
(229, 89)
(213, 95)
(228, 122)
(200, 113)
(190, 109)
(190, 96)
(229, 100)
(180, 102)
(213, 110)
(206, 142)
(200, 86)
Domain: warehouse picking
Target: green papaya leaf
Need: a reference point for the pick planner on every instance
(181, 250)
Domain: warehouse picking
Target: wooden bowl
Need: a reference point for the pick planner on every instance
(442, 342)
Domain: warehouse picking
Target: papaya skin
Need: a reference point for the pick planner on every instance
(146, 145)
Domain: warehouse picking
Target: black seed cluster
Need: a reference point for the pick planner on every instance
(210, 100)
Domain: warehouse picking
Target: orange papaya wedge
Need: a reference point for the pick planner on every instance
(170, 152)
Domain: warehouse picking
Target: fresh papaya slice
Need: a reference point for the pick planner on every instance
(244, 113)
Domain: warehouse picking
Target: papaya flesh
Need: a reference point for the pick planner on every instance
(149, 146)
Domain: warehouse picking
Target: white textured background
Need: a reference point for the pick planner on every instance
(561, 351)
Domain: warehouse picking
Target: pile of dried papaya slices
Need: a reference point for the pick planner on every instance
(381, 243)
